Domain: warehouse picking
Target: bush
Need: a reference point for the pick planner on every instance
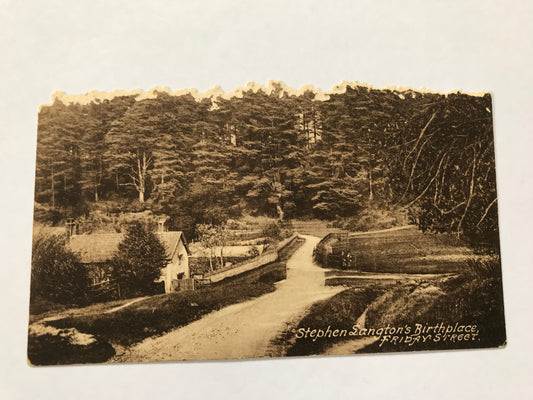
(272, 230)
(287, 229)
(342, 259)
(487, 267)
(57, 274)
(253, 252)
(374, 218)
(46, 215)
(138, 261)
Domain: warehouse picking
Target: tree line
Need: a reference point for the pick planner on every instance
(275, 154)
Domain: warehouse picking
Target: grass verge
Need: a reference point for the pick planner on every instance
(338, 312)
(162, 313)
(472, 298)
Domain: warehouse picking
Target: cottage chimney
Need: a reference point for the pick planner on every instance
(161, 225)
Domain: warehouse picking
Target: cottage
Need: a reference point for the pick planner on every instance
(97, 250)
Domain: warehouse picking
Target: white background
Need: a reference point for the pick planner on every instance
(103, 45)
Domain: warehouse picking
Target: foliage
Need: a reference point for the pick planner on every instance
(375, 218)
(138, 261)
(272, 231)
(253, 252)
(485, 267)
(469, 298)
(447, 168)
(278, 155)
(339, 312)
(342, 259)
(57, 274)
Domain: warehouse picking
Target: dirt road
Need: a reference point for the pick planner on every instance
(244, 330)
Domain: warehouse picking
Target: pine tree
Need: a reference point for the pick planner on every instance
(138, 261)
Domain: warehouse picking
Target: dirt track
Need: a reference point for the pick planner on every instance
(244, 330)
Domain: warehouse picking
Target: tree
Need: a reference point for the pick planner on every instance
(57, 274)
(149, 146)
(267, 147)
(173, 121)
(277, 154)
(207, 235)
(58, 169)
(448, 171)
(98, 118)
(131, 144)
(221, 239)
(138, 261)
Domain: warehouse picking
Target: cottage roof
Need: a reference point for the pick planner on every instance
(101, 247)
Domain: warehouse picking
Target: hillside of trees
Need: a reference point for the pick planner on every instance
(277, 154)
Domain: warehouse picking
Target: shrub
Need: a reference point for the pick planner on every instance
(272, 230)
(57, 274)
(253, 252)
(45, 214)
(287, 229)
(341, 259)
(374, 218)
(487, 267)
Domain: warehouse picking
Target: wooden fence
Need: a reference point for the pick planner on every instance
(183, 284)
(108, 289)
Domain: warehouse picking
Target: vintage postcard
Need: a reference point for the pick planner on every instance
(264, 222)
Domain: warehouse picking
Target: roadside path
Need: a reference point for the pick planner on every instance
(129, 303)
(244, 330)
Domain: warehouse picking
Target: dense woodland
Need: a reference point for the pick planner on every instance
(275, 154)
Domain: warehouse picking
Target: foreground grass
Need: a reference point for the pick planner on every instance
(53, 310)
(162, 313)
(470, 298)
(339, 312)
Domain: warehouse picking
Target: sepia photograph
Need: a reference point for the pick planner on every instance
(264, 222)
(266, 200)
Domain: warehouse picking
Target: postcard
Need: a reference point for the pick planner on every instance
(264, 222)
